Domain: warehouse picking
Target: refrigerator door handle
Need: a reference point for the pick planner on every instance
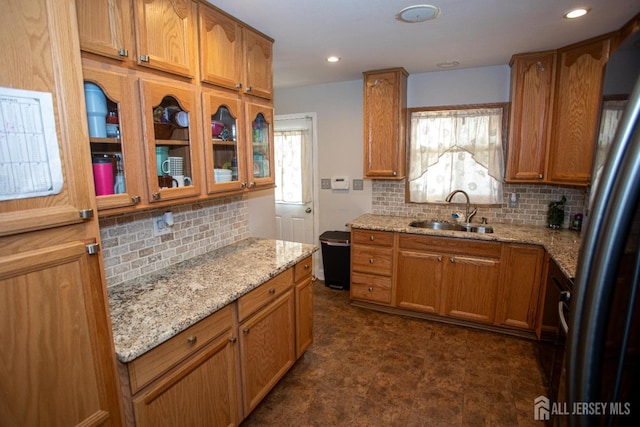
(565, 296)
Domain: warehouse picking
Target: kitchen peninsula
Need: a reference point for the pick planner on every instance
(179, 329)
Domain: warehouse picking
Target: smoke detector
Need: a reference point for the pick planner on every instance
(418, 13)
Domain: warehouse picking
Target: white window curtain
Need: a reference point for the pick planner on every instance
(611, 113)
(456, 149)
(291, 151)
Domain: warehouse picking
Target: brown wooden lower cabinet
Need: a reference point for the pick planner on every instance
(470, 287)
(267, 349)
(217, 371)
(201, 392)
(475, 282)
(520, 286)
(304, 306)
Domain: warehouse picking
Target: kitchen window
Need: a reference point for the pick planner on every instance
(454, 148)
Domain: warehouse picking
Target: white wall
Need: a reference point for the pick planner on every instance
(339, 107)
(340, 150)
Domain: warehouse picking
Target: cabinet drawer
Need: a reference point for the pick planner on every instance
(158, 360)
(371, 288)
(372, 259)
(302, 269)
(370, 237)
(264, 294)
(451, 245)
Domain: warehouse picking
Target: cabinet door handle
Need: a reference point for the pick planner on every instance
(540, 176)
(144, 58)
(245, 331)
(452, 259)
(123, 52)
(135, 200)
(439, 259)
(238, 85)
(233, 340)
(192, 340)
(370, 289)
(371, 238)
(156, 196)
(371, 260)
(272, 291)
(249, 88)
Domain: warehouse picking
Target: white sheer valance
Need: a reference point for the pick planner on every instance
(456, 149)
(292, 178)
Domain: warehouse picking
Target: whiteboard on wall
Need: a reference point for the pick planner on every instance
(30, 164)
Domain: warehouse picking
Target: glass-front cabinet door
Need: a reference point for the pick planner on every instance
(171, 129)
(259, 131)
(224, 144)
(113, 139)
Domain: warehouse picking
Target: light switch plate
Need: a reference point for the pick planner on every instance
(325, 183)
(160, 227)
(358, 184)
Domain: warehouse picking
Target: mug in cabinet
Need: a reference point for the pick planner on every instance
(181, 181)
(166, 181)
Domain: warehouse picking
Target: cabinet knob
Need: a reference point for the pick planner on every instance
(123, 52)
(156, 196)
(540, 66)
(272, 291)
(452, 260)
(306, 266)
(245, 331)
(135, 200)
(233, 340)
(144, 58)
(439, 259)
(540, 176)
(252, 184)
(371, 238)
(192, 340)
(248, 89)
(243, 185)
(395, 173)
(371, 260)
(370, 289)
(238, 85)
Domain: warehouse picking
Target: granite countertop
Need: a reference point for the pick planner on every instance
(149, 310)
(563, 245)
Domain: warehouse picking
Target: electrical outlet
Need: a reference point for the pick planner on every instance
(514, 199)
(325, 183)
(358, 184)
(160, 227)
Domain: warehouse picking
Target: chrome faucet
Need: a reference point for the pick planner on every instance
(468, 215)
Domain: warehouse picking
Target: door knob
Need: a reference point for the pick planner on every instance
(308, 210)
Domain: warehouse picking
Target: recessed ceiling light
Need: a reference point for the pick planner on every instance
(333, 59)
(576, 13)
(448, 64)
(418, 13)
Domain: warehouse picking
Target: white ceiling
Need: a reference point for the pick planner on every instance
(366, 35)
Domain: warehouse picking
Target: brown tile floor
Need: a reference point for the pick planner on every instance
(373, 369)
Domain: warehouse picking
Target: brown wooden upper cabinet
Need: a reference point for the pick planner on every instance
(233, 56)
(105, 28)
(385, 118)
(166, 37)
(555, 98)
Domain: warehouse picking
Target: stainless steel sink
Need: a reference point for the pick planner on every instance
(438, 225)
(444, 225)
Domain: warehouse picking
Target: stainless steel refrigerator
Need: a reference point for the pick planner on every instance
(602, 362)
